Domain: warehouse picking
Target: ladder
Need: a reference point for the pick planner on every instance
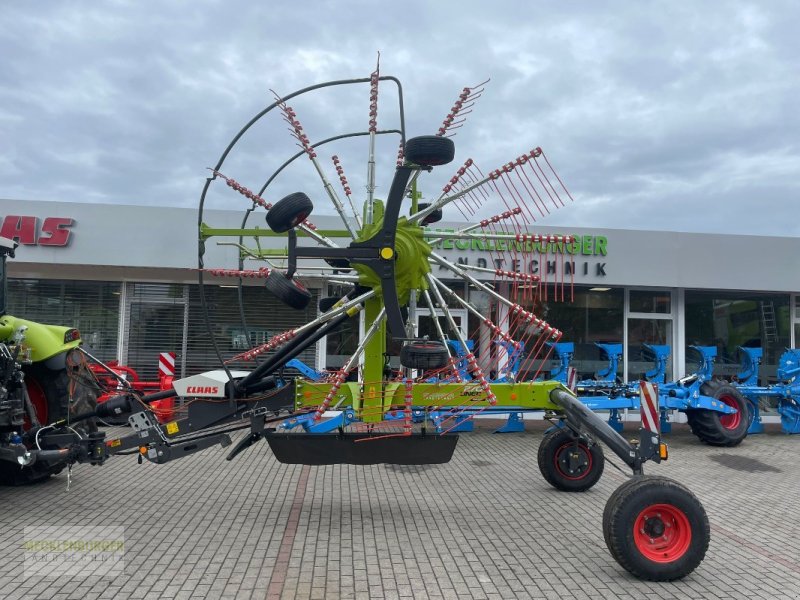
(768, 322)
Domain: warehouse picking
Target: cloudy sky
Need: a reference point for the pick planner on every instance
(671, 116)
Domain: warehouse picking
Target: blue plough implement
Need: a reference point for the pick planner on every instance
(786, 390)
(716, 411)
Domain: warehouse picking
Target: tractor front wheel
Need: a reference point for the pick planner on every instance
(718, 429)
(570, 464)
(655, 528)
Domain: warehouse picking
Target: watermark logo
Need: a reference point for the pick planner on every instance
(58, 551)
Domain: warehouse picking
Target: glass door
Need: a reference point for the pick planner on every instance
(649, 332)
(154, 328)
(155, 319)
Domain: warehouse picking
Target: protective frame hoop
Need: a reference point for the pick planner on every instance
(224, 155)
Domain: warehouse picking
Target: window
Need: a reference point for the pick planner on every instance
(264, 317)
(729, 320)
(650, 301)
(649, 326)
(92, 307)
(341, 343)
(155, 325)
(593, 316)
(643, 334)
(459, 288)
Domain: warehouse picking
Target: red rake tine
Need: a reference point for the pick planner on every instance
(244, 274)
(554, 172)
(500, 194)
(530, 188)
(543, 184)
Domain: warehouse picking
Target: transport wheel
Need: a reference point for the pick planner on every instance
(424, 355)
(717, 429)
(655, 528)
(288, 291)
(289, 212)
(567, 466)
(430, 150)
(434, 217)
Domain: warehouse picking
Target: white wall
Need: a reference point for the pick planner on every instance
(154, 238)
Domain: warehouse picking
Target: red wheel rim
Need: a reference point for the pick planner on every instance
(730, 421)
(662, 533)
(39, 401)
(562, 460)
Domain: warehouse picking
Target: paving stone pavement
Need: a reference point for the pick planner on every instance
(486, 525)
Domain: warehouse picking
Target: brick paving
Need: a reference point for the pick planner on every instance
(486, 525)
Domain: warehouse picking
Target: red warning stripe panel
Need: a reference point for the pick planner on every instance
(572, 379)
(648, 393)
(166, 363)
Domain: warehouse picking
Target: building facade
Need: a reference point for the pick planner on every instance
(127, 277)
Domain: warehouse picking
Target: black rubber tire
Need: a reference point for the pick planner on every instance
(424, 355)
(13, 475)
(554, 455)
(714, 428)
(56, 387)
(612, 501)
(287, 213)
(430, 150)
(288, 291)
(325, 304)
(666, 507)
(434, 217)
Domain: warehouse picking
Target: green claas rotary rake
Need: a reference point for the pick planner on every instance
(392, 267)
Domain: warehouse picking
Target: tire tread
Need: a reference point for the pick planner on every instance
(705, 424)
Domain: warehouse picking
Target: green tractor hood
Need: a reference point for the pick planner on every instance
(43, 341)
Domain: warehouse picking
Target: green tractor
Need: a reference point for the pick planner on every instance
(44, 382)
